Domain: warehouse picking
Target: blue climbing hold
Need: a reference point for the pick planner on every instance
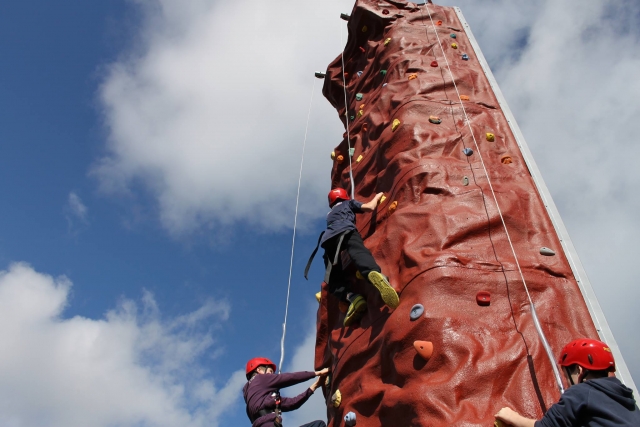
(416, 312)
(467, 151)
(359, 97)
(359, 73)
(350, 419)
(453, 36)
(465, 57)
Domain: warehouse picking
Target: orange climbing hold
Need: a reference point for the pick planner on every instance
(464, 97)
(393, 206)
(365, 127)
(424, 349)
(340, 158)
(506, 159)
(439, 23)
(413, 76)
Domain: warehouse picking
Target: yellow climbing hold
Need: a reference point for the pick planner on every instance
(364, 29)
(319, 296)
(387, 41)
(490, 137)
(464, 97)
(413, 76)
(360, 113)
(454, 45)
(333, 155)
(359, 158)
(383, 198)
(336, 399)
(359, 275)
(498, 423)
(395, 124)
(393, 206)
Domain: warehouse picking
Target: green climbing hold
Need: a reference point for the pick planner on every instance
(352, 117)
(453, 36)
(383, 72)
(359, 97)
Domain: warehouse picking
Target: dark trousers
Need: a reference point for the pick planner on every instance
(317, 423)
(360, 256)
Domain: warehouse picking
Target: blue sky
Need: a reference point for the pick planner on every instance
(92, 98)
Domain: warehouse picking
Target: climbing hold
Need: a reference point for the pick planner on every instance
(547, 251)
(465, 57)
(360, 113)
(362, 106)
(320, 75)
(365, 126)
(434, 63)
(359, 96)
(352, 117)
(340, 158)
(483, 298)
(362, 49)
(498, 423)
(384, 84)
(395, 124)
(416, 312)
(435, 120)
(387, 41)
(336, 399)
(352, 151)
(424, 349)
(491, 137)
(364, 29)
(439, 23)
(383, 198)
(359, 158)
(359, 73)
(506, 159)
(454, 45)
(465, 181)
(359, 275)
(464, 97)
(453, 36)
(333, 155)
(413, 76)
(350, 419)
(319, 296)
(346, 76)
(393, 206)
(383, 72)
(385, 12)
(344, 16)
(467, 151)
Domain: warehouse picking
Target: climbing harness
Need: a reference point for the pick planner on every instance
(293, 240)
(534, 315)
(346, 113)
(278, 421)
(331, 264)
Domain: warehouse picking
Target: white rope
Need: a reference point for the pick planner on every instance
(536, 321)
(293, 241)
(346, 112)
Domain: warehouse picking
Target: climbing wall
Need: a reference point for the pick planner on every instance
(439, 236)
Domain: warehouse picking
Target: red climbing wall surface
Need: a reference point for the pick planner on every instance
(444, 242)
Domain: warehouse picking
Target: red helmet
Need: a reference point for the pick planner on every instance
(337, 194)
(253, 364)
(593, 355)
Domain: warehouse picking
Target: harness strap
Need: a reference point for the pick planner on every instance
(313, 254)
(330, 265)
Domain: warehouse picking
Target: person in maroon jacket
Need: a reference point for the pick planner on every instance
(262, 391)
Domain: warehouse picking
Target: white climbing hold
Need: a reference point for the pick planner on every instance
(416, 312)
(350, 419)
(546, 251)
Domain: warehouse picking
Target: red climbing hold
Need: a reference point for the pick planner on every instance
(362, 49)
(483, 298)
(434, 63)
(439, 23)
(385, 12)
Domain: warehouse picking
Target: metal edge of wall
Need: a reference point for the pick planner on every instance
(597, 315)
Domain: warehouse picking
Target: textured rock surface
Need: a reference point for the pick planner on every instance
(445, 241)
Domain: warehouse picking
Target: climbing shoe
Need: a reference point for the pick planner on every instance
(388, 294)
(356, 309)
(319, 296)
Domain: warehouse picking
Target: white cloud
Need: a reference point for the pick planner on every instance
(131, 368)
(209, 111)
(76, 213)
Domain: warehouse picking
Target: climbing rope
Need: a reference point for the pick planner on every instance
(295, 224)
(346, 114)
(536, 322)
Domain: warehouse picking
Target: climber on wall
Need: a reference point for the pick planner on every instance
(341, 233)
(595, 397)
(262, 392)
